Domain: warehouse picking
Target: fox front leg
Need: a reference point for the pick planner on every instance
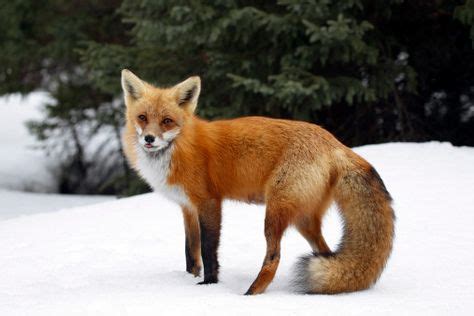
(210, 217)
(192, 241)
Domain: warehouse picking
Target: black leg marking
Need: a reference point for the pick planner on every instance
(209, 244)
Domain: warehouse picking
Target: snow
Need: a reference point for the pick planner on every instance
(15, 203)
(126, 257)
(23, 167)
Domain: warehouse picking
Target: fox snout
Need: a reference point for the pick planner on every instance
(149, 139)
(151, 142)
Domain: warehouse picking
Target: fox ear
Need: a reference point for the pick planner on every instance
(187, 93)
(133, 87)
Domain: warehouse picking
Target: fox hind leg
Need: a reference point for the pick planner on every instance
(309, 223)
(277, 220)
(311, 231)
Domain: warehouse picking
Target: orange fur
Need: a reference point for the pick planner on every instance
(296, 168)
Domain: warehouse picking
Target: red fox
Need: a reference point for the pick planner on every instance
(297, 169)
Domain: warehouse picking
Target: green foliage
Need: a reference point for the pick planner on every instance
(465, 14)
(288, 59)
(41, 49)
(369, 71)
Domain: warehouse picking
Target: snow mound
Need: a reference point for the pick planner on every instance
(127, 256)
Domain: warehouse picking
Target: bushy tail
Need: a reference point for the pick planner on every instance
(366, 244)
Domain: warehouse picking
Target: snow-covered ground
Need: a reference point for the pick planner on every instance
(15, 203)
(126, 257)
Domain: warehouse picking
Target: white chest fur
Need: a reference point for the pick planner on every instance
(155, 168)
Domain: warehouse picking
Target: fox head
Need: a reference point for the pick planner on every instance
(158, 114)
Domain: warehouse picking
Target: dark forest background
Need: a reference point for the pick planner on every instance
(368, 71)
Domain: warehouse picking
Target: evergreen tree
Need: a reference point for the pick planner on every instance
(366, 70)
(40, 49)
(369, 71)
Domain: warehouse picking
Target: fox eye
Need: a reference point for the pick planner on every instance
(167, 121)
(142, 117)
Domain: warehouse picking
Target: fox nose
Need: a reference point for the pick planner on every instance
(149, 138)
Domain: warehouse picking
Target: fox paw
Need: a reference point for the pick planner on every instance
(194, 270)
(210, 280)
